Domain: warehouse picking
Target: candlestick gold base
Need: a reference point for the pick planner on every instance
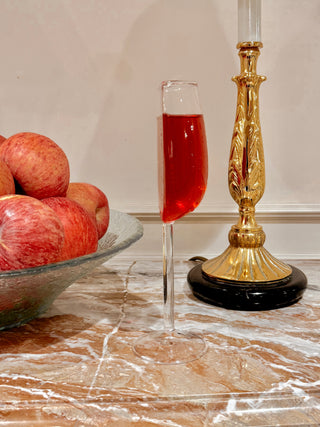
(246, 296)
(246, 260)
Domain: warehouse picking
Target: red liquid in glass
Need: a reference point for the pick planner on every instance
(183, 165)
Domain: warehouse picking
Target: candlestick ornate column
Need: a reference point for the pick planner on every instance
(246, 276)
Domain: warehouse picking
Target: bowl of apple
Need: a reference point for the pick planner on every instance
(52, 232)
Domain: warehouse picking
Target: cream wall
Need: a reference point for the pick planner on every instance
(86, 73)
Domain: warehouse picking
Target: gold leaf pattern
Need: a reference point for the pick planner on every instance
(246, 163)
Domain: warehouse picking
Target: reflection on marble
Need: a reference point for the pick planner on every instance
(74, 366)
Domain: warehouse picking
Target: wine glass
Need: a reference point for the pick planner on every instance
(182, 179)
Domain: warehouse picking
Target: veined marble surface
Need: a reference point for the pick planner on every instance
(74, 366)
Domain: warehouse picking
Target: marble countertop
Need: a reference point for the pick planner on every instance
(74, 366)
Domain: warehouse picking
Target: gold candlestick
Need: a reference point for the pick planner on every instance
(246, 275)
(246, 259)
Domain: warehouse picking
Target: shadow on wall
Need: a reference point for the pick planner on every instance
(172, 39)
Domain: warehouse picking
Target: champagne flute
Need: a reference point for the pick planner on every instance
(182, 179)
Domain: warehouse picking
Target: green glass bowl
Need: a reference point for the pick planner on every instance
(26, 293)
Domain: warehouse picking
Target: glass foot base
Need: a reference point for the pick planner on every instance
(170, 347)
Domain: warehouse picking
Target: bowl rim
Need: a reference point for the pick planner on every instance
(100, 253)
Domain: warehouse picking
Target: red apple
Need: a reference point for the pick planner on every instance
(80, 232)
(38, 164)
(31, 234)
(94, 201)
(6, 180)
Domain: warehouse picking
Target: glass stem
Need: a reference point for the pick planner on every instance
(168, 277)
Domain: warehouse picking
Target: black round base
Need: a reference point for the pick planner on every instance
(247, 296)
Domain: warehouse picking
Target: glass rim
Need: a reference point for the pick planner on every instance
(169, 83)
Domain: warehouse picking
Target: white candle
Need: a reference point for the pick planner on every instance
(249, 21)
